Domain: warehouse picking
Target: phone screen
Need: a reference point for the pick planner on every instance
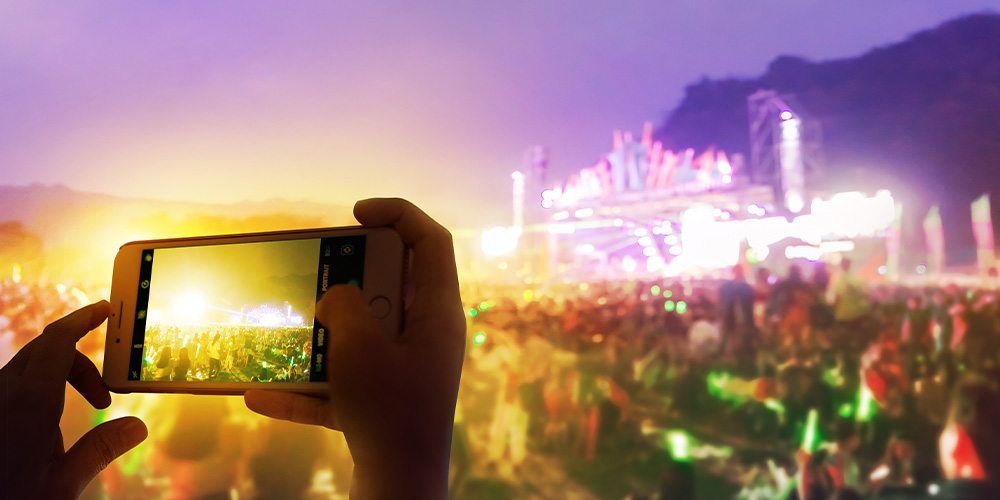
(240, 312)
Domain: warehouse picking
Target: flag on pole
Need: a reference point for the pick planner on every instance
(655, 161)
(934, 233)
(892, 244)
(982, 228)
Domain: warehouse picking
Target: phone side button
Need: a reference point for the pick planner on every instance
(380, 307)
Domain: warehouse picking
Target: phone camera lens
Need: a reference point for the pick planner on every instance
(118, 341)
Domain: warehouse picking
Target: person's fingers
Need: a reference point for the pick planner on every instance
(292, 407)
(434, 269)
(87, 381)
(95, 450)
(55, 349)
(343, 308)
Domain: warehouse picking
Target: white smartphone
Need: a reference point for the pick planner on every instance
(223, 314)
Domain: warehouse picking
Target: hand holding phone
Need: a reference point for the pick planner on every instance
(222, 314)
(394, 398)
(35, 462)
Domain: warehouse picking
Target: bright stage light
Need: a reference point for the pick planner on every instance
(786, 115)
(882, 270)
(654, 263)
(190, 306)
(546, 203)
(619, 222)
(270, 319)
(645, 241)
(803, 252)
(500, 241)
(707, 243)
(670, 239)
(585, 249)
(640, 231)
(154, 316)
(676, 250)
(560, 215)
(479, 338)
(795, 202)
(649, 251)
(583, 212)
(921, 269)
(561, 229)
(628, 264)
(516, 175)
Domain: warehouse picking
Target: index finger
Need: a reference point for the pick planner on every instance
(434, 269)
(55, 349)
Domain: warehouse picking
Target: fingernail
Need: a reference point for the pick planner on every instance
(133, 431)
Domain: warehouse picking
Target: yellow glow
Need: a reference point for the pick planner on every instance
(190, 306)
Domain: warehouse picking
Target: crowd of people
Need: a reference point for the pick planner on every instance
(227, 352)
(805, 386)
(811, 385)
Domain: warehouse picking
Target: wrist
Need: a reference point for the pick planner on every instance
(401, 476)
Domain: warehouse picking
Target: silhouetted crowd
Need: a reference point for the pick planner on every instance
(810, 387)
(222, 352)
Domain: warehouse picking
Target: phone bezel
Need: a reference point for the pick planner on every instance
(384, 275)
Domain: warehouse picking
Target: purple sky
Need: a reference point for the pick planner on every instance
(435, 101)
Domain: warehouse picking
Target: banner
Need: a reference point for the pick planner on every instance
(892, 244)
(934, 234)
(982, 228)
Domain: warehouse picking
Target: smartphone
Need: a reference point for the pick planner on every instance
(223, 314)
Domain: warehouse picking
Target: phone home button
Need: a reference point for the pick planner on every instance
(380, 307)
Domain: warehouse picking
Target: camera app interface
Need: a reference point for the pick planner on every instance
(238, 312)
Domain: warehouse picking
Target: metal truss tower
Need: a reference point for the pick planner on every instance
(785, 147)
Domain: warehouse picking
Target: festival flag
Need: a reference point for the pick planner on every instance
(982, 228)
(725, 167)
(603, 172)
(704, 165)
(655, 161)
(665, 178)
(934, 234)
(647, 134)
(892, 244)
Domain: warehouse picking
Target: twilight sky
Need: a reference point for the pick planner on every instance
(226, 101)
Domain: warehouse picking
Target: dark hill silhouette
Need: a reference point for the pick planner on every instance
(922, 115)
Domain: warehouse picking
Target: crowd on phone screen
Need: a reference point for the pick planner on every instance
(600, 371)
(233, 352)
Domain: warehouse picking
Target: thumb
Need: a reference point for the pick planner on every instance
(98, 448)
(343, 308)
